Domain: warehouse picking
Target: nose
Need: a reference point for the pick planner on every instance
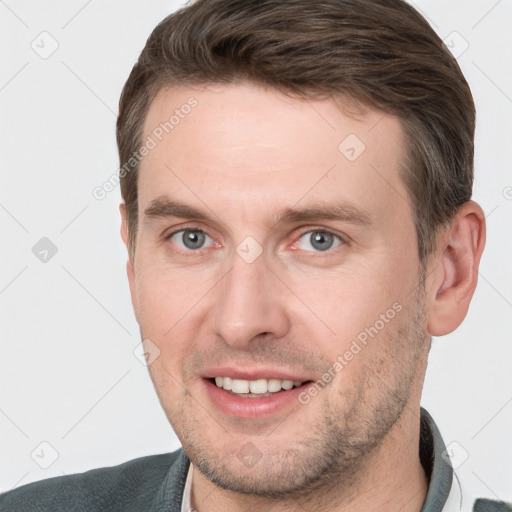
(250, 302)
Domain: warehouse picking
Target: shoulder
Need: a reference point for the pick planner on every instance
(124, 487)
(484, 505)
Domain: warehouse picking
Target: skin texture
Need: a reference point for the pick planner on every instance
(243, 155)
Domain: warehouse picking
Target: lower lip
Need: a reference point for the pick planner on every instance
(251, 408)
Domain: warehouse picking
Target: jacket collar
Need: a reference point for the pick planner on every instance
(436, 464)
(170, 494)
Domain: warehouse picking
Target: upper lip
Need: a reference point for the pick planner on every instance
(254, 373)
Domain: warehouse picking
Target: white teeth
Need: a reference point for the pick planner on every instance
(240, 386)
(287, 384)
(226, 383)
(257, 387)
(274, 385)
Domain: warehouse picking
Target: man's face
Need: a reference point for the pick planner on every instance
(272, 244)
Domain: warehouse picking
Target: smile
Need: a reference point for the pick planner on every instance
(257, 387)
(255, 398)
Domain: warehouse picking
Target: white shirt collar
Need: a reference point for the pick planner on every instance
(187, 492)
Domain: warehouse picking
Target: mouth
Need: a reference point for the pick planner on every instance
(257, 398)
(255, 388)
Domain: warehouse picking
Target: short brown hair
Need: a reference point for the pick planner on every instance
(381, 53)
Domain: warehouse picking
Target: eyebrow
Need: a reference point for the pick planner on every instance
(163, 207)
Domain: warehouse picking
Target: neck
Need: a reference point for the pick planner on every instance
(390, 478)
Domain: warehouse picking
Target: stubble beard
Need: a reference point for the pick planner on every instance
(333, 453)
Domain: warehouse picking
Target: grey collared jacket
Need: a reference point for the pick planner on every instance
(156, 484)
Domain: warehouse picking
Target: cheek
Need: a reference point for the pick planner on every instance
(342, 303)
(364, 308)
(169, 389)
(163, 298)
(157, 304)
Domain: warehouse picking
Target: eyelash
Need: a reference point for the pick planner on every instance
(343, 239)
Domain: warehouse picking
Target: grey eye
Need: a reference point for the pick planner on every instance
(319, 241)
(190, 239)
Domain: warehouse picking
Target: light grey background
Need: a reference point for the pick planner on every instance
(69, 375)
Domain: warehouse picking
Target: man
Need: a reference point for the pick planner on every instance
(297, 211)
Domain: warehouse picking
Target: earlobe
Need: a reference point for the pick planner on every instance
(455, 273)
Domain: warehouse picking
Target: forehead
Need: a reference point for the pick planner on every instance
(242, 146)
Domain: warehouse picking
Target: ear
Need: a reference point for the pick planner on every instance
(130, 267)
(454, 271)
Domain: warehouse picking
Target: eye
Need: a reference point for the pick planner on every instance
(318, 241)
(190, 239)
